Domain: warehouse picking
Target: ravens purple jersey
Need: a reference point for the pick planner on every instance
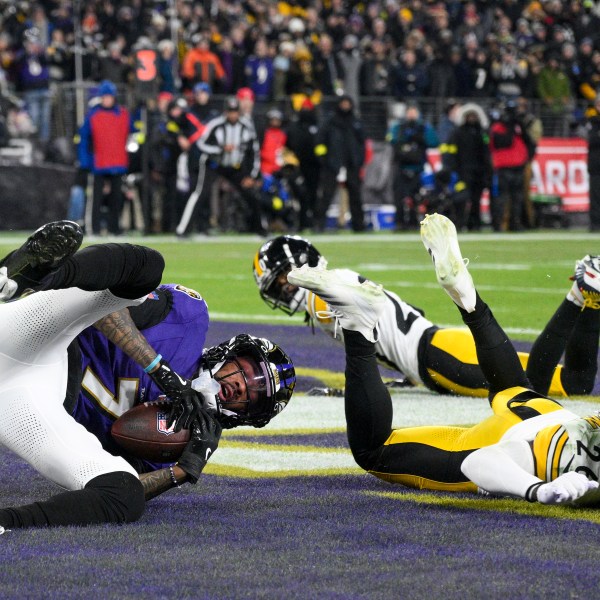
(174, 319)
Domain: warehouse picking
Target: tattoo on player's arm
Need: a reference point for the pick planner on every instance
(120, 329)
(156, 482)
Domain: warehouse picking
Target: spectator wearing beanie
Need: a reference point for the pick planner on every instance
(102, 151)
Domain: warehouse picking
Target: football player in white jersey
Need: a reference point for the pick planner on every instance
(71, 292)
(442, 359)
(530, 448)
(249, 395)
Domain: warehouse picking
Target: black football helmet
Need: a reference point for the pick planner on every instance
(275, 259)
(268, 372)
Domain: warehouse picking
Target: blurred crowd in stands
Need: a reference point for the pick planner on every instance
(294, 79)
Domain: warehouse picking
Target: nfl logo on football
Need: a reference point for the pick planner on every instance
(161, 424)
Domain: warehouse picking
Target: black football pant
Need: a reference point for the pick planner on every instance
(368, 404)
(576, 333)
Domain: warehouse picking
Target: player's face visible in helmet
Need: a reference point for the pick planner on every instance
(273, 262)
(241, 382)
(255, 377)
(282, 289)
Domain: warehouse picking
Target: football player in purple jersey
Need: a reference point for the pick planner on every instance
(245, 380)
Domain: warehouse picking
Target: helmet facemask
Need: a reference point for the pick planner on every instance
(278, 293)
(273, 262)
(257, 371)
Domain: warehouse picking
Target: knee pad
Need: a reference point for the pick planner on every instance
(366, 459)
(121, 495)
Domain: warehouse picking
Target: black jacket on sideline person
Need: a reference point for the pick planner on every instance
(343, 139)
(341, 150)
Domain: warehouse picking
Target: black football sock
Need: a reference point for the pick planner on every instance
(112, 498)
(550, 345)
(581, 354)
(496, 355)
(367, 401)
(127, 270)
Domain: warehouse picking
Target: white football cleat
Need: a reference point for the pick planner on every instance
(357, 303)
(440, 238)
(587, 280)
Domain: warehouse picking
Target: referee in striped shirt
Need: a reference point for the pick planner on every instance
(230, 149)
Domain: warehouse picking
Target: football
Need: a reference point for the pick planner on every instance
(142, 432)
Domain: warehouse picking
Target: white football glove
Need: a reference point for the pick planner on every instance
(566, 488)
(8, 287)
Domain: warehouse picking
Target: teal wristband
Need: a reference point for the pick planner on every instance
(153, 363)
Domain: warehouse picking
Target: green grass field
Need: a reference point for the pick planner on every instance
(521, 276)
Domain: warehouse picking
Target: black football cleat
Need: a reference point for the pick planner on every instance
(43, 251)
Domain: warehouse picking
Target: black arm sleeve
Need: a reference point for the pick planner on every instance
(149, 314)
(128, 271)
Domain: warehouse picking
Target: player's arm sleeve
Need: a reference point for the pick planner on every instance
(504, 469)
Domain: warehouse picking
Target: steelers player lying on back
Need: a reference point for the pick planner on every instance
(530, 448)
(105, 380)
(444, 359)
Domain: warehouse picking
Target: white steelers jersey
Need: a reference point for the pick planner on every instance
(400, 329)
(570, 446)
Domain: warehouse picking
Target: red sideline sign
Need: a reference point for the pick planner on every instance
(559, 169)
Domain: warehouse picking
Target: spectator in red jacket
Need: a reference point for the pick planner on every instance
(509, 148)
(102, 150)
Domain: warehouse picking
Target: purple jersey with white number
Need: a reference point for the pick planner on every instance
(113, 383)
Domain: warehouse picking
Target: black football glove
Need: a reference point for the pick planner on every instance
(186, 402)
(205, 435)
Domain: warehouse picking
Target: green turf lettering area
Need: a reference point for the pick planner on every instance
(283, 511)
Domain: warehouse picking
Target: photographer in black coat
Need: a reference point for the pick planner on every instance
(467, 154)
(302, 140)
(341, 150)
(410, 139)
